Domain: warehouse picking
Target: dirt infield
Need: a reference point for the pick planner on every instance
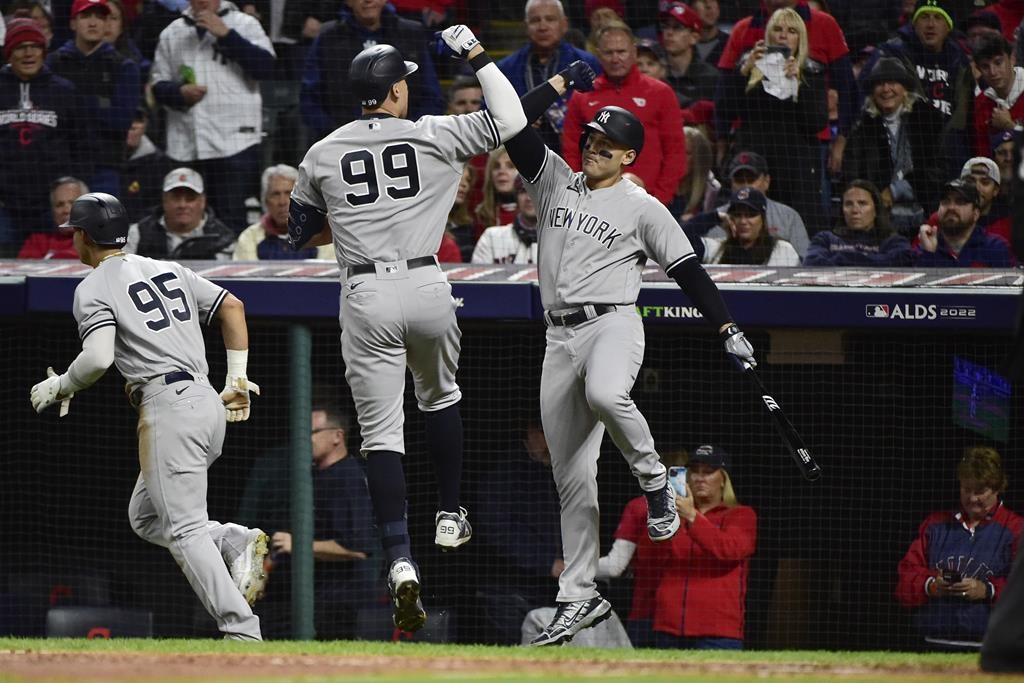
(32, 665)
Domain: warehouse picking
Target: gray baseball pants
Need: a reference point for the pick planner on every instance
(181, 432)
(589, 370)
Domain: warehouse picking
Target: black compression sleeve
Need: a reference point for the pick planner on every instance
(527, 151)
(537, 101)
(480, 61)
(700, 288)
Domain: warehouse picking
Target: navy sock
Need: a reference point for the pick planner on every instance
(444, 442)
(386, 481)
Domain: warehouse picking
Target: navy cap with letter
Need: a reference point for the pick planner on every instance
(749, 197)
(101, 216)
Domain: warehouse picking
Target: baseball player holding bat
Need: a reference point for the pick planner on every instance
(145, 317)
(381, 188)
(595, 233)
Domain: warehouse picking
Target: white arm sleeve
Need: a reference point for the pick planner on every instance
(502, 101)
(617, 559)
(97, 355)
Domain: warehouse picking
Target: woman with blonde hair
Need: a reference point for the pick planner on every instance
(701, 598)
(778, 94)
(699, 188)
(498, 206)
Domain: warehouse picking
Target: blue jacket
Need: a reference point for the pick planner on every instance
(981, 251)
(857, 249)
(110, 87)
(327, 101)
(984, 553)
(516, 68)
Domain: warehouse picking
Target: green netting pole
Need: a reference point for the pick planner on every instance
(301, 345)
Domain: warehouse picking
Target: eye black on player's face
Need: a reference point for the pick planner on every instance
(603, 157)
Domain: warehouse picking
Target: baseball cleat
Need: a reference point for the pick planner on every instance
(571, 618)
(247, 569)
(453, 529)
(404, 586)
(662, 517)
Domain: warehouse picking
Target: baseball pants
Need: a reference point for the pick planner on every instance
(589, 370)
(180, 436)
(390, 319)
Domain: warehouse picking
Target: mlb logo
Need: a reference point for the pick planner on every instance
(876, 311)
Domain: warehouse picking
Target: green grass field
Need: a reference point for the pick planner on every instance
(209, 660)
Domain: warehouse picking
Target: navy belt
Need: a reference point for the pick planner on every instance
(419, 262)
(577, 315)
(135, 398)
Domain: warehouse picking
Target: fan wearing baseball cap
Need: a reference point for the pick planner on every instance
(692, 79)
(183, 226)
(109, 84)
(957, 242)
(994, 209)
(40, 132)
(749, 241)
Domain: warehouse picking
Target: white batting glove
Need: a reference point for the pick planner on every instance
(459, 39)
(738, 348)
(236, 397)
(47, 392)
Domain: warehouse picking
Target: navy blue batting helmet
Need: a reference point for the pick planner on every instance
(376, 69)
(619, 125)
(101, 216)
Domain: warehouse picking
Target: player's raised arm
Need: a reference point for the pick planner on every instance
(235, 332)
(502, 100)
(526, 149)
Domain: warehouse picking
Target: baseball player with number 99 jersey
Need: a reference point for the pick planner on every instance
(145, 316)
(381, 187)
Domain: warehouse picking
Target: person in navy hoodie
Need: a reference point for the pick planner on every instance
(38, 130)
(327, 101)
(863, 236)
(108, 84)
(956, 568)
(957, 241)
(545, 54)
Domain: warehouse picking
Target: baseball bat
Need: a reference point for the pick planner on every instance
(794, 442)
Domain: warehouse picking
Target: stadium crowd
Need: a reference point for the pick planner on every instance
(846, 125)
(875, 133)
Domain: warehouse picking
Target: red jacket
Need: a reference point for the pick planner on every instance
(48, 245)
(983, 108)
(662, 163)
(1010, 12)
(449, 252)
(649, 558)
(703, 592)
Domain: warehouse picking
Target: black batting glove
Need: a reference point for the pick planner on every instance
(738, 348)
(578, 76)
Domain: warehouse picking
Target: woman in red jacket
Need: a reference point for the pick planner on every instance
(701, 600)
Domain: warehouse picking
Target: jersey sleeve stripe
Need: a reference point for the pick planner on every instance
(494, 129)
(540, 172)
(216, 304)
(97, 325)
(679, 261)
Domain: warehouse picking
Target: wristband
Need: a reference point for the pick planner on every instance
(480, 61)
(238, 359)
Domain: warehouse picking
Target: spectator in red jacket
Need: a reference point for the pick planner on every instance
(52, 244)
(957, 566)
(1000, 106)
(1010, 13)
(663, 162)
(701, 600)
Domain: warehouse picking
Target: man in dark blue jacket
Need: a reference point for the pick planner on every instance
(327, 100)
(542, 57)
(108, 84)
(957, 242)
(39, 128)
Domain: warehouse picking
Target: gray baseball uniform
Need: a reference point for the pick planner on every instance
(592, 248)
(157, 308)
(387, 185)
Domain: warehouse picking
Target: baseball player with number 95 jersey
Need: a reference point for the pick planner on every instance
(381, 187)
(144, 316)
